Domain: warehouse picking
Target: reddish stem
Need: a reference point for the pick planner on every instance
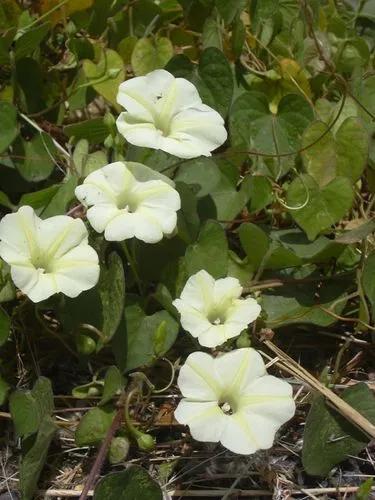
(96, 468)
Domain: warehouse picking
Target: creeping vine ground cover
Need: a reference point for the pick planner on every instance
(187, 253)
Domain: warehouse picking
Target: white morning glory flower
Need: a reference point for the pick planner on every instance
(231, 399)
(48, 256)
(164, 112)
(212, 310)
(129, 199)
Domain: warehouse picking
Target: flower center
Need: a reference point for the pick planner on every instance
(227, 405)
(165, 106)
(163, 126)
(226, 408)
(127, 201)
(42, 264)
(216, 317)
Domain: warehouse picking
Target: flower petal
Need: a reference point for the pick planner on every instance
(198, 291)
(77, 270)
(232, 330)
(158, 200)
(89, 194)
(25, 277)
(142, 173)
(270, 397)
(139, 95)
(148, 227)
(95, 189)
(57, 235)
(187, 95)
(43, 246)
(192, 320)
(225, 291)
(205, 420)
(125, 206)
(178, 96)
(34, 283)
(215, 335)
(201, 126)
(167, 113)
(118, 176)
(157, 194)
(182, 146)
(101, 215)
(105, 184)
(245, 435)
(141, 134)
(18, 235)
(166, 218)
(243, 312)
(237, 369)
(121, 227)
(126, 225)
(196, 379)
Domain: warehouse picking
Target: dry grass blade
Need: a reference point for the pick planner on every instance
(288, 364)
(53, 493)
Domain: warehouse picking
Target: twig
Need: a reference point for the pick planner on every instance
(254, 493)
(329, 64)
(219, 493)
(93, 329)
(352, 339)
(63, 493)
(347, 320)
(215, 493)
(351, 414)
(75, 209)
(46, 14)
(40, 130)
(274, 283)
(96, 468)
(255, 152)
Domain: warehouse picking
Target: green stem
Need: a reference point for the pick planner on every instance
(131, 28)
(95, 81)
(92, 328)
(144, 441)
(131, 261)
(127, 419)
(46, 14)
(165, 388)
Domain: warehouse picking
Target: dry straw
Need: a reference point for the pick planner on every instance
(288, 364)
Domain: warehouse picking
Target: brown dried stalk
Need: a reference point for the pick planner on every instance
(217, 493)
(99, 460)
(289, 365)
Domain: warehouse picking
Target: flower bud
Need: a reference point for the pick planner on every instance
(108, 141)
(119, 449)
(145, 442)
(113, 72)
(85, 345)
(109, 120)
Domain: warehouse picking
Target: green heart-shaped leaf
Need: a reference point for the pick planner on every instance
(131, 484)
(9, 128)
(106, 76)
(329, 438)
(334, 155)
(148, 55)
(316, 208)
(254, 125)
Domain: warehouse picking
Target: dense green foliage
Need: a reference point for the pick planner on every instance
(286, 205)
